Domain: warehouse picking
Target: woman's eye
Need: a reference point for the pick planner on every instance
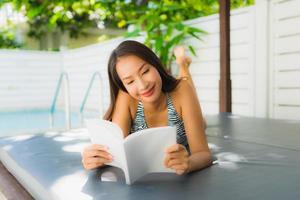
(128, 83)
(146, 71)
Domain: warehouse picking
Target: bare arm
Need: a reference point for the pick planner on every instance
(194, 126)
(177, 157)
(183, 63)
(95, 155)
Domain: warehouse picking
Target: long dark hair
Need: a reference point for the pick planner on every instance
(131, 47)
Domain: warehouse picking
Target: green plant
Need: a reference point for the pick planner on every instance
(240, 3)
(161, 20)
(7, 38)
(162, 24)
(49, 16)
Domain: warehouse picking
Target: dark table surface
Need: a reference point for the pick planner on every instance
(256, 159)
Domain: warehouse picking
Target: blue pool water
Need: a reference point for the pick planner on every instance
(30, 121)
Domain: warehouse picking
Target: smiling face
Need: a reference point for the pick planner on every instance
(141, 80)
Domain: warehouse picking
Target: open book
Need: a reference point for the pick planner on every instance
(139, 153)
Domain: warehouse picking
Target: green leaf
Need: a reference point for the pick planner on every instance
(54, 18)
(196, 30)
(195, 36)
(135, 33)
(179, 26)
(158, 44)
(192, 50)
(35, 12)
(175, 40)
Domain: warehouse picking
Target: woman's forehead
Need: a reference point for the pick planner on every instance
(126, 65)
(129, 59)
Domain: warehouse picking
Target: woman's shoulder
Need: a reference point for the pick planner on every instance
(182, 89)
(181, 94)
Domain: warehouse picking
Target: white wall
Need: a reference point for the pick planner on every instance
(206, 66)
(28, 78)
(265, 50)
(285, 59)
(80, 64)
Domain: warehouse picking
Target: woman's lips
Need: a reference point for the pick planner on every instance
(148, 93)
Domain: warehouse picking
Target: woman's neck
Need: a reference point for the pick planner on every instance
(159, 105)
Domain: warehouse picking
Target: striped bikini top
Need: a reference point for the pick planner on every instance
(139, 123)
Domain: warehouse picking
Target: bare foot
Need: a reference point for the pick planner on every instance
(182, 60)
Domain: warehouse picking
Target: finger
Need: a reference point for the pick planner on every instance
(166, 160)
(96, 153)
(174, 162)
(180, 172)
(94, 146)
(93, 166)
(89, 166)
(180, 167)
(100, 147)
(174, 155)
(170, 156)
(174, 148)
(178, 154)
(90, 160)
(97, 160)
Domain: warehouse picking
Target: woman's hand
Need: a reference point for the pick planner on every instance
(94, 156)
(177, 158)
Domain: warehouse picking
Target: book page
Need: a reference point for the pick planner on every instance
(108, 134)
(145, 151)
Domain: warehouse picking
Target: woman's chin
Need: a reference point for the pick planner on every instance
(149, 99)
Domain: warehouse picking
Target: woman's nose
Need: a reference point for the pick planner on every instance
(142, 85)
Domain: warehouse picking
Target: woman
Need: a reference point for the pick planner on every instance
(144, 95)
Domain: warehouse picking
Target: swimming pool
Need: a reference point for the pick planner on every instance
(35, 121)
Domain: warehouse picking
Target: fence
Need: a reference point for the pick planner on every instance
(265, 45)
(284, 59)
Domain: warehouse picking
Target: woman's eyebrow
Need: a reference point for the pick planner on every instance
(141, 67)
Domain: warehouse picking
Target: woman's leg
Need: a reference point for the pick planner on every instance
(183, 63)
